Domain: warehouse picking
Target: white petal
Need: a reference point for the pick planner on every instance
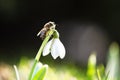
(62, 50)
(57, 49)
(46, 49)
(54, 50)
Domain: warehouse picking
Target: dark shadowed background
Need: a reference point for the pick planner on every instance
(20, 21)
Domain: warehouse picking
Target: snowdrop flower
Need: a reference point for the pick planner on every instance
(55, 47)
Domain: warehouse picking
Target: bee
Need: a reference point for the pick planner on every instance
(43, 32)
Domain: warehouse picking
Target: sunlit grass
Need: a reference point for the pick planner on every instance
(65, 70)
(55, 71)
(58, 70)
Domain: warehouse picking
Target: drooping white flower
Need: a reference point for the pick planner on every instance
(55, 47)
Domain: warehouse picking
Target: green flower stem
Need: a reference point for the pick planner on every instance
(49, 34)
(43, 44)
(56, 34)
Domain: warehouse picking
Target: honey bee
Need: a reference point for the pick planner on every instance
(43, 32)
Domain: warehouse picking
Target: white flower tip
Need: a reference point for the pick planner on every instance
(62, 55)
(54, 57)
(45, 53)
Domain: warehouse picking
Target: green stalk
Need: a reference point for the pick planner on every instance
(16, 71)
(98, 74)
(32, 70)
(40, 51)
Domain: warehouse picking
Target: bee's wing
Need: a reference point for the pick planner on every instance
(39, 33)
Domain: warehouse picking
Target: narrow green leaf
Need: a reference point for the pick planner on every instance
(17, 73)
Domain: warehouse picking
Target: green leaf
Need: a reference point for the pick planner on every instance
(91, 70)
(41, 73)
(112, 68)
